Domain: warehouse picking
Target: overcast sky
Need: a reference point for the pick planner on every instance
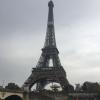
(22, 34)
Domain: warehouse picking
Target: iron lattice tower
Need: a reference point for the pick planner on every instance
(44, 73)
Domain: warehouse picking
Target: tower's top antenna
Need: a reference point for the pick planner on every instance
(50, 34)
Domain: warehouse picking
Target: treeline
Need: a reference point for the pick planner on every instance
(86, 87)
(89, 87)
(11, 86)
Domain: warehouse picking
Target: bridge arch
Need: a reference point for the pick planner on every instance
(13, 97)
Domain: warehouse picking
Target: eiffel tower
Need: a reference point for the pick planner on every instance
(43, 73)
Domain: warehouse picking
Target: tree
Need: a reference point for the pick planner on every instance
(12, 86)
(91, 87)
(55, 88)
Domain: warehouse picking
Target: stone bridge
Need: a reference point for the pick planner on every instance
(11, 95)
(45, 95)
(21, 95)
(83, 96)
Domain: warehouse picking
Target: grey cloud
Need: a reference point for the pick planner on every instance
(22, 34)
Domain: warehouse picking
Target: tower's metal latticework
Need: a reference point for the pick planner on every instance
(44, 73)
